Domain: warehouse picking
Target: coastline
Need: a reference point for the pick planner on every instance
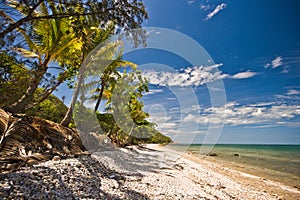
(266, 174)
(148, 172)
(245, 176)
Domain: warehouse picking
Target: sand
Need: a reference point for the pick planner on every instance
(148, 172)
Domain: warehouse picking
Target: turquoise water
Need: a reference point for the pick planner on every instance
(277, 162)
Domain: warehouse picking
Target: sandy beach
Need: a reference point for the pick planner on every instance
(148, 172)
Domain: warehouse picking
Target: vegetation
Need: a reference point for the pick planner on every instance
(44, 31)
(52, 109)
(111, 129)
(14, 77)
(38, 35)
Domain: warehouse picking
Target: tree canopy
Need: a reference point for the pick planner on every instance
(45, 31)
(39, 35)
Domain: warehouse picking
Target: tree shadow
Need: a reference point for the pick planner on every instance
(42, 182)
(96, 167)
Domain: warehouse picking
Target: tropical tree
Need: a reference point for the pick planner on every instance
(67, 25)
(14, 76)
(19, 14)
(50, 41)
(96, 56)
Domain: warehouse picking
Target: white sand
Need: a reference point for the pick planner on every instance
(152, 172)
(165, 174)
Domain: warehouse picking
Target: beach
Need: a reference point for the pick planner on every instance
(147, 172)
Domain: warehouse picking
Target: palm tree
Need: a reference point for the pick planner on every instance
(109, 76)
(95, 56)
(51, 40)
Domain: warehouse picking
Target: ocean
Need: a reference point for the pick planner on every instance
(275, 162)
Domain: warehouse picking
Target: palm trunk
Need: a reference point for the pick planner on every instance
(45, 94)
(68, 117)
(27, 98)
(100, 96)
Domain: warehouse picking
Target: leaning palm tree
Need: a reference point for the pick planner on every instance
(51, 40)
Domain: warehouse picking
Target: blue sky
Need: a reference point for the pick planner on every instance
(256, 46)
(255, 52)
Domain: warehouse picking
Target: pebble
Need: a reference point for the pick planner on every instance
(124, 178)
(72, 178)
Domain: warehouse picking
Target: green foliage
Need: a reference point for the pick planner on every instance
(85, 119)
(14, 77)
(52, 109)
(159, 138)
(64, 32)
(14, 81)
(126, 123)
(145, 133)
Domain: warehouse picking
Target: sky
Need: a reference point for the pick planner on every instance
(245, 89)
(255, 47)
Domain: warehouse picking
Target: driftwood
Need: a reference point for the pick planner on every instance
(28, 140)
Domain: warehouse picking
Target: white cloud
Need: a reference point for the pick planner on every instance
(190, 2)
(215, 89)
(293, 92)
(261, 114)
(267, 65)
(243, 75)
(277, 62)
(191, 76)
(153, 91)
(171, 98)
(216, 10)
(174, 108)
(205, 7)
(168, 125)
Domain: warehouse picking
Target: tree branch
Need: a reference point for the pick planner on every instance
(20, 22)
(48, 92)
(28, 18)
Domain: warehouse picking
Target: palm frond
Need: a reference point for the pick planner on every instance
(26, 53)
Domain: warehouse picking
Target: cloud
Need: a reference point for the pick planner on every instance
(205, 7)
(171, 99)
(293, 92)
(190, 2)
(191, 76)
(261, 114)
(215, 89)
(267, 65)
(216, 10)
(243, 75)
(153, 91)
(277, 62)
(174, 109)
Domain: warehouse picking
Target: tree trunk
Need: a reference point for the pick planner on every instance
(20, 105)
(45, 94)
(68, 117)
(100, 96)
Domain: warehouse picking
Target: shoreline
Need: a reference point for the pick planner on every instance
(242, 174)
(147, 172)
(276, 176)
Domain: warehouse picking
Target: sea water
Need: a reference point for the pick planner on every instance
(276, 162)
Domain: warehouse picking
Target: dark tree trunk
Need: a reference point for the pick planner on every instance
(100, 97)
